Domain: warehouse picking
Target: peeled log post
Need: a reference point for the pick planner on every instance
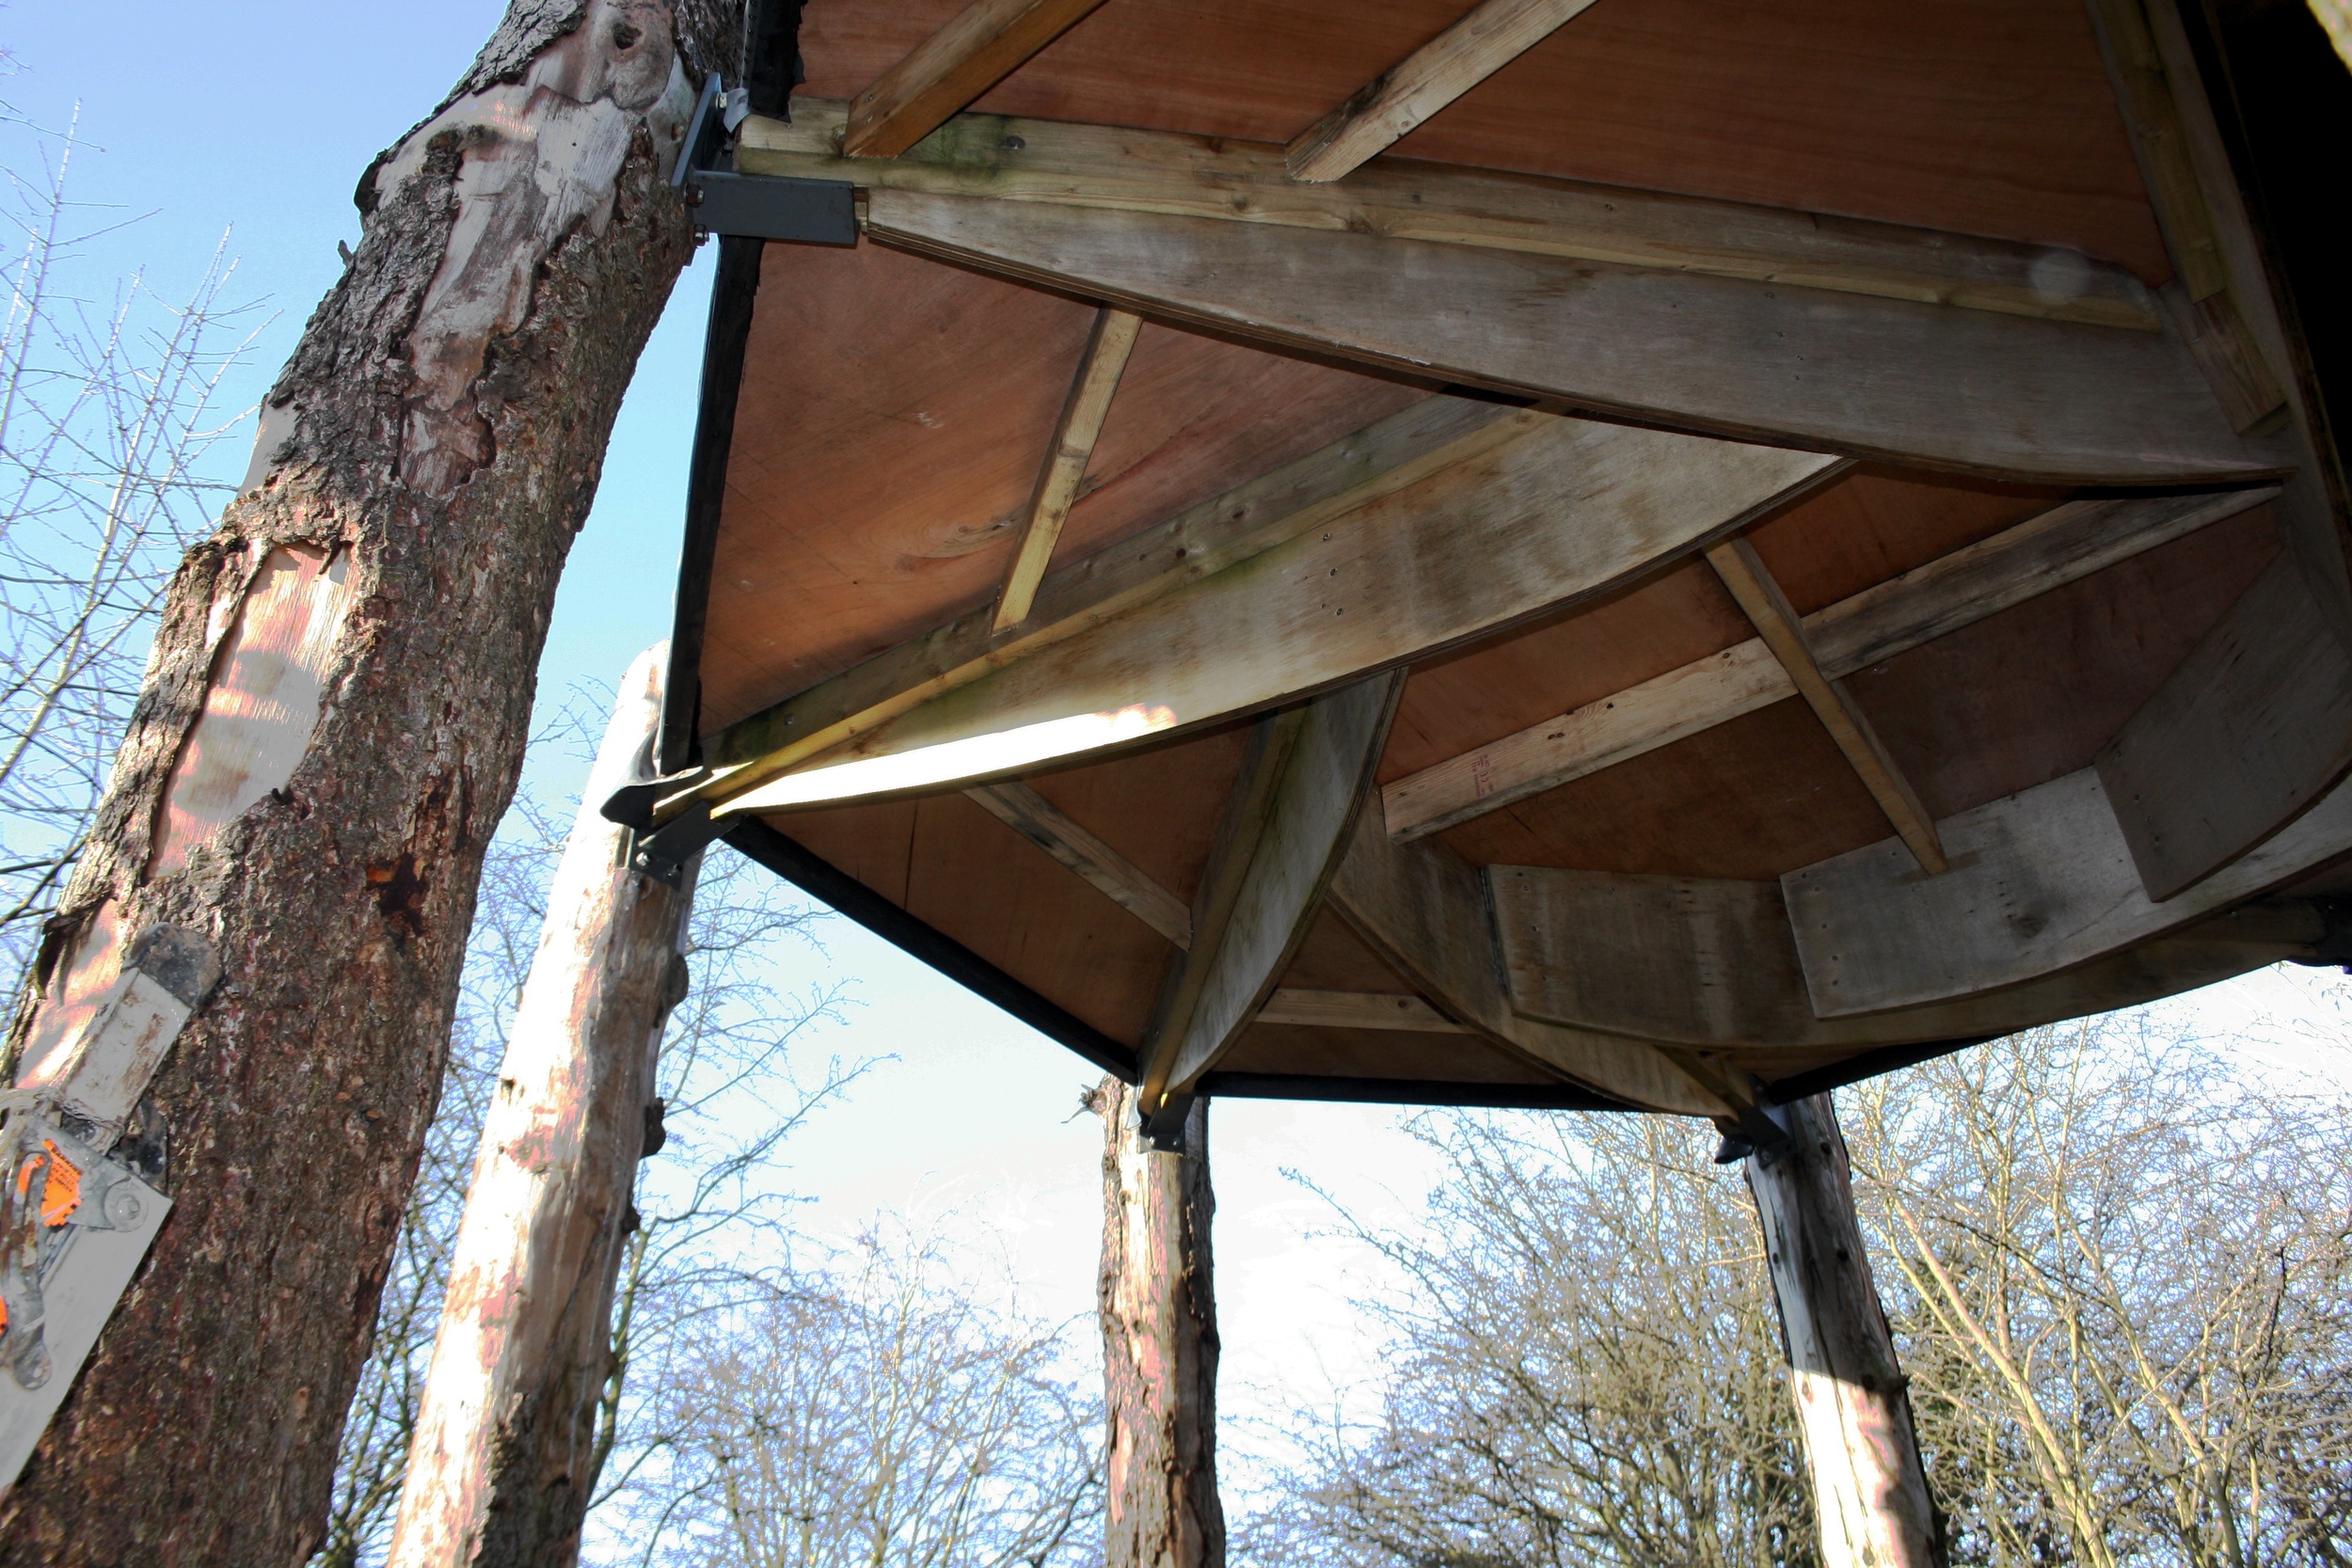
(331, 725)
(1870, 1495)
(502, 1465)
(1159, 1343)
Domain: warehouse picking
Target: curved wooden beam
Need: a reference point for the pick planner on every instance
(1565, 511)
(1707, 962)
(1266, 877)
(1419, 907)
(2042, 881)
(1966, 391)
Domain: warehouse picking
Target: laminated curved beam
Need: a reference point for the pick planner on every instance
(1321, 487)
(2246, 734)
(1964, 391)
(1564, 510)
(2042, 881)
(1709, 963)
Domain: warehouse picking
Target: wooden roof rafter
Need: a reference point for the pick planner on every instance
(1396, 102)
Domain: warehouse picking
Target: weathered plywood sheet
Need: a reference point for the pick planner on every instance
(1985, 119)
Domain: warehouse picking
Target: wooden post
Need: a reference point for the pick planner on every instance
(500, 1469)
(1159, 1343)
(1869, 1492)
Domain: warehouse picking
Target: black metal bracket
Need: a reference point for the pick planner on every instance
(774, 207)
(1163, 1129)
(665, 853)
(755, 206)
(2333, 950)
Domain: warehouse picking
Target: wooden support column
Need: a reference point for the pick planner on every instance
(1159, 1342)
(1869, 1492)
(500, 1469)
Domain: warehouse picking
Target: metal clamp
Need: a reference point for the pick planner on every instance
(761, 206)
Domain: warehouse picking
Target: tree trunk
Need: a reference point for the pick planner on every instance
(1869, 1492)
(1159, 1343)
(502, 1465)
(331, 726)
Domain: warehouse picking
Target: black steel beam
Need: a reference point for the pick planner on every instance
(725, 343)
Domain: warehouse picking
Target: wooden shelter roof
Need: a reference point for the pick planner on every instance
(1746, 545)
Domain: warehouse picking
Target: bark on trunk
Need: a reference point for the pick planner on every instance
(1870, 1495)
(1159, 1343)
(331, 726)
(502, 1465)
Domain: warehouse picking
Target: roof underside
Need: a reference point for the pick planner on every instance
(894, 409)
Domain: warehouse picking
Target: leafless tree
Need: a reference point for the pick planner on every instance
(2118, 1270)
(109, 408)
(881, 1412)
(2127, 1274)
(1582, 1369)
(711, 1203)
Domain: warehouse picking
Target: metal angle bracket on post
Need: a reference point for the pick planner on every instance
(77, 1212)
(663, 852)
(761, 206)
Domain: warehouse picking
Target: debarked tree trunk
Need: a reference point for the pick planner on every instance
(330, 728)
(502, 1464)
(1854, 1404)
(1159, 1343)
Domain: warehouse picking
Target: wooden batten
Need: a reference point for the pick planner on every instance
(1053, 830)
(1116, 169)
(1074, 434)
(1966, 392)
(1357, 1009)
(2061, 545)
(1782, 630)
(1391, 104)
(978, 47)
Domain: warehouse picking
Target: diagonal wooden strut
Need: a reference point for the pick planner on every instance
(1776, 621)
(1437, 73)
(1112, 340)
(1071, 846)
(981, 46)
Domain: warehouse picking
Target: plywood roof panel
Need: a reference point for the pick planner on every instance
(1989, 117)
